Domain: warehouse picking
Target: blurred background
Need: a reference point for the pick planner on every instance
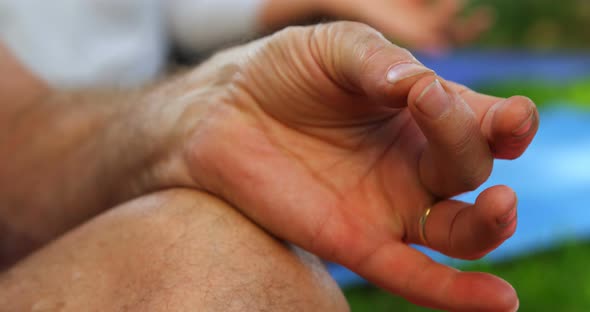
(538, 48)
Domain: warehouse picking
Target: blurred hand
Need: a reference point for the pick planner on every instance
(431, 26)
(334, 139)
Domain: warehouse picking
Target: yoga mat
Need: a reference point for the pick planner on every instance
(472, 67)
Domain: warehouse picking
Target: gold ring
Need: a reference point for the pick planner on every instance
(423, 220)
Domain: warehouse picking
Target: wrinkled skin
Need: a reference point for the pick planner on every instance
(305, 135)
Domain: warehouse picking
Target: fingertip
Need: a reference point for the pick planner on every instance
(483, 287)
(388, 76)
(498, 206)
(399, 80)
(497, 210)
(513, 117)
(434, 102)
(359, 59)
(470, 232)
(404, 70)
(408, 272)
(499, 195)
(510, 126)
(400, 77)
(419, 88)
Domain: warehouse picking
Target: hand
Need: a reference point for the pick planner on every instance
(419, 24)
(336, 140)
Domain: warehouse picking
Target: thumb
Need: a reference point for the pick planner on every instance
(362, 61)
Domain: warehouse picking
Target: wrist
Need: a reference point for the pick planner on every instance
(168, 116)
(195, 112)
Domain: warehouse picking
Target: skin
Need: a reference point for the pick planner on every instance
(308, 134)
(436, 26)
(175, 250)
(359, 161)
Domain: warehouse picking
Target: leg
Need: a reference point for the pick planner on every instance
(177, 250)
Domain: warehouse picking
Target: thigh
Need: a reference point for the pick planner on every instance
(177, 250)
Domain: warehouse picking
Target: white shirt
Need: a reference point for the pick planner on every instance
(94, 43)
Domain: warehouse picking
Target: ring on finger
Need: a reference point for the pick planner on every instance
(423, 220)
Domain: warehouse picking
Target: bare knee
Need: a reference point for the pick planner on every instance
(176, 250)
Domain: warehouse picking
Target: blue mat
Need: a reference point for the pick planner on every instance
(472, 66)
(552, 181)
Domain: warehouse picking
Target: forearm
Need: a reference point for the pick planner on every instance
(65, 158)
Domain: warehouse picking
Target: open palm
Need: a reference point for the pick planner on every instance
(335, 140)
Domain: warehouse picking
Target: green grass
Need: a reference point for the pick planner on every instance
(544, 94)
(556, 280)
(543, 24)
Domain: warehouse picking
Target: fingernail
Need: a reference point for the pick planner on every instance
(506, 219)
(525, 127)
(403, 71)
(434, 100)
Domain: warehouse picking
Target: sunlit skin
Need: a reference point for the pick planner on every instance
(311, 139)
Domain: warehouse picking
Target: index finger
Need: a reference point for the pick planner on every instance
(509, 125)
(457, 157)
